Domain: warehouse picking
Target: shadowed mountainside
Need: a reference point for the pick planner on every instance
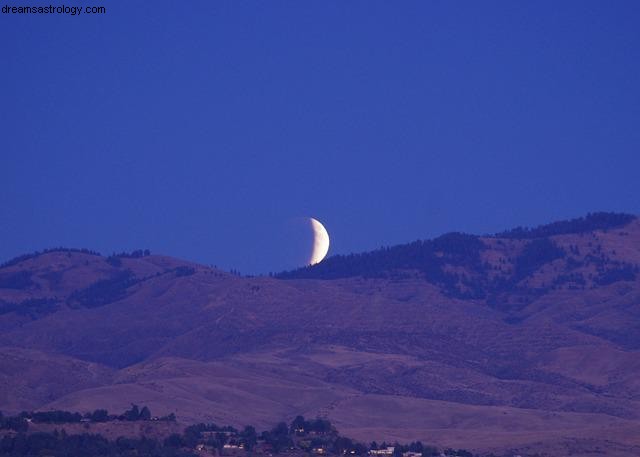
(522, 340)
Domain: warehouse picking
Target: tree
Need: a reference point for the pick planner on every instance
(174, 440)
(249, 437)
(342, 445)
(191, 436)
(132, 414)
(298, 424)
(278, 437)
(100, 415)
(221, 439)
(145, 414)
(320, 425)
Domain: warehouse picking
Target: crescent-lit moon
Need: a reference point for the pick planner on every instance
(320, 242)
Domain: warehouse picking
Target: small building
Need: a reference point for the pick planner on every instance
(213, 433)
(382, 452)
(412, 454)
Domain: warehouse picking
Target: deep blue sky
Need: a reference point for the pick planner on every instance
(197, 129)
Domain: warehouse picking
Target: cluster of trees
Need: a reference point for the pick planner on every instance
(20, 422)
(114, 288)
(33, 255)
(17, 280)
(16, 423)
(54, 417)
(622, 272)
(138, 253)
(534, 255)
(427, 256)
(184, 270)
(454, 263)
(316, 433)
(116, 259)
(608, 271)
(592, 221)
(575, 280)
(435, 258)
(59, 444)
(214, 436)
(430, 257)
(34, 308)
(299, 434)
(320, 433)
(299, 425)
(103, 292)
(278, 438)
(415, 446)
(135, 413)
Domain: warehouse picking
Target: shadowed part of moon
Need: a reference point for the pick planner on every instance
(320, 242)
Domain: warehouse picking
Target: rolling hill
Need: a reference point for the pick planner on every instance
(525, 340)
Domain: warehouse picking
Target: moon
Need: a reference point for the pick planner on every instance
(320, 242)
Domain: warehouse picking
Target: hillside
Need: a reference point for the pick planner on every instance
(525, 340)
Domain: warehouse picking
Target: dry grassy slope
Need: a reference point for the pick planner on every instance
(29, 379)
(383, 358)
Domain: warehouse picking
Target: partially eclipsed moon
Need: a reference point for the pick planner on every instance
(320, 242)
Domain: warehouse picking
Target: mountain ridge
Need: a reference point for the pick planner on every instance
(401, 355)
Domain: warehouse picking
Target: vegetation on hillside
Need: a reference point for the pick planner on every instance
(34, 308)
(33, 255)
(59, 444)
(431, 258)
(588, 223)
(116, 259)
(454, 262)
(300, 437)
(135, 413)
(18, 280)
(103, 292)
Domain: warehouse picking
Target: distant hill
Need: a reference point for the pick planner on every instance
(461, 265)
(590, 223)
(521, 342)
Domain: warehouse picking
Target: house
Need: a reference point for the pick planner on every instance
(213, 433)
(382, 452)
(412, 454)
